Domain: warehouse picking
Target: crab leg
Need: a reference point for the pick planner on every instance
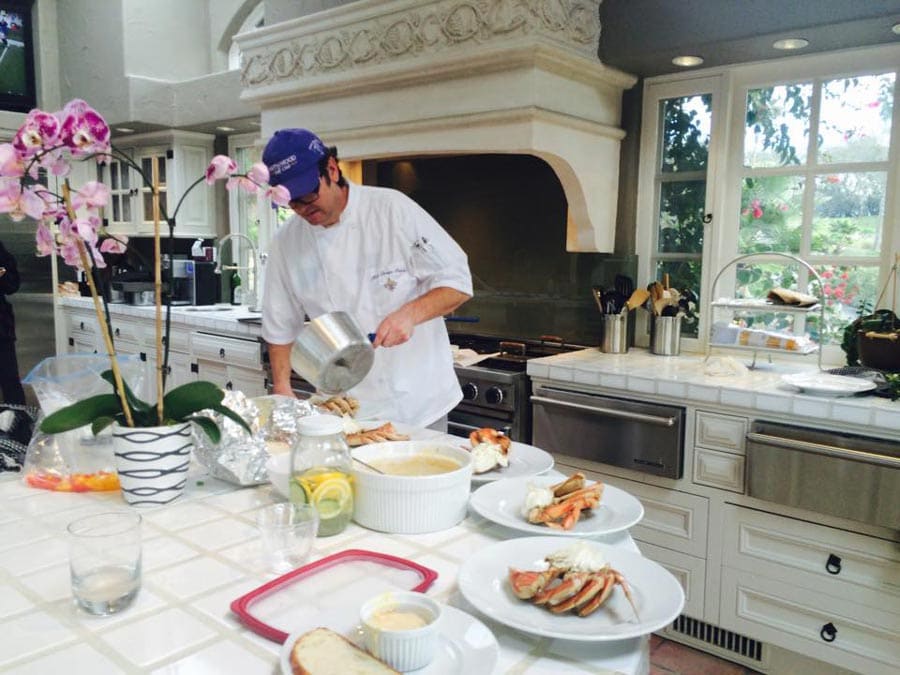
(590, 590)
(569, 586)
(526, 584)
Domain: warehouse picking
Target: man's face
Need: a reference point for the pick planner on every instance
(322, 208)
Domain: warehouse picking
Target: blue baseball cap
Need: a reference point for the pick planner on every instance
(292, 157)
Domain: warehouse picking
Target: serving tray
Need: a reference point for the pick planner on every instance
(325, 589)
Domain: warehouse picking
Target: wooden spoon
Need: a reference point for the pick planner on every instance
(638, 298)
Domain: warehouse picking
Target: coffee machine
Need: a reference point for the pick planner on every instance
(193, 283)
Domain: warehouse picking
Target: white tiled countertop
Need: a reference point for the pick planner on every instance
(200, 553)
(213, 318)
(684, 378)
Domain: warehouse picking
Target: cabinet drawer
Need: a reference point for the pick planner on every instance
(719, 470)
(865, 640)
(857, 568)
(720, 432)
(674, 520)
(250, 382)
(227, 350)
(690, 572)
(82, 322)
(127, 331)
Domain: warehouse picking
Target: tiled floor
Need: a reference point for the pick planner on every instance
(672, 658)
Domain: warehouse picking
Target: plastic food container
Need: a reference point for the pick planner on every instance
(410, 504)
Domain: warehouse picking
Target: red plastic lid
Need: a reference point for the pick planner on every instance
(326, 591)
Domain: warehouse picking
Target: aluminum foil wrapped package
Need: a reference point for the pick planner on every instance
(239, 458)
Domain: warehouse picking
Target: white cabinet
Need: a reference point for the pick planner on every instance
(174, 160)
(232, 363)
(829, 594)
(719, 450)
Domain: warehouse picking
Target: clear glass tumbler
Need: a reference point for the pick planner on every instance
(288, 532)
(105, 561)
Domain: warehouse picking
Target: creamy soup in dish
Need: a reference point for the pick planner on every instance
(396, 619)
(415, 465)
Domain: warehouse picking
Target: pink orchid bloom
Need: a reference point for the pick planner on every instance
(114, 244)
(19, 203)
(278, 195)
(11, 163)
(55, 162)
(44, 240)
(40, 131)
(99, 261)
(220, 167)
(83, 130)
(69, 253)
(86, 230)
(242, 182)
(92, 195)
(259, 173)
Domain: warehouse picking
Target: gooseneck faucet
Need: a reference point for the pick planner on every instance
(252, 266)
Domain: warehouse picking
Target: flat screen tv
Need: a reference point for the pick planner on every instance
(17, 83)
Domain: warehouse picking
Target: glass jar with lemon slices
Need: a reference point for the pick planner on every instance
(320, 471)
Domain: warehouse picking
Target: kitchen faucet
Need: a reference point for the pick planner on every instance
(251, 295)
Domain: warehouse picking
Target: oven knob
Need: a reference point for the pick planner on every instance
(494, 395)
(470, 391)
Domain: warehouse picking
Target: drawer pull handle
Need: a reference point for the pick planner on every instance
(828, 632)
(82, 325)
(834, 564)
(228, 385)
(117, 332)
(222, 353)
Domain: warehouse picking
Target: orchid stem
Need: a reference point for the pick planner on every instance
(87, 266)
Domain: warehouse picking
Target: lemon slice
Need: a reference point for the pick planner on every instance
(331, 497)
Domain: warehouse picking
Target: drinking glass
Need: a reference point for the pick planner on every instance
(288, 531)
(105, 561)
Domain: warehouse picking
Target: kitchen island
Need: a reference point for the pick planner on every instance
(200, 553)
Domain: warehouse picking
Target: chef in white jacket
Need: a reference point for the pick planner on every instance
(377, 255)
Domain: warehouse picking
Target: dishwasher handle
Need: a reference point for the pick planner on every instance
(826, 450)
(609, 412)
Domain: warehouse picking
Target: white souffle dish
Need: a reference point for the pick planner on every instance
(410, 504)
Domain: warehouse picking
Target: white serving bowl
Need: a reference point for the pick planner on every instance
(410, 504)
(279, 469)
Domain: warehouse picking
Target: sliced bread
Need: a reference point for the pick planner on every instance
(323, 652)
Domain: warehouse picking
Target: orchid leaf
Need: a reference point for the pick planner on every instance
(136, 404)
(101, 423)
(191, 398)
(230, 414)
(81, 413)
(208, 426)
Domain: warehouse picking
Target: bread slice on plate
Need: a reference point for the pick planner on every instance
(323, 652)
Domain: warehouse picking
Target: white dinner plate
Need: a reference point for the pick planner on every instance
(466, 646)
(524, 460)
(502, 500)
(483, 581)
(825, 384)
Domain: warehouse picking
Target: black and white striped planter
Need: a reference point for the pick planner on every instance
(152, 462)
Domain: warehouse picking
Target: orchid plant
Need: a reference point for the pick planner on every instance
(69, 225)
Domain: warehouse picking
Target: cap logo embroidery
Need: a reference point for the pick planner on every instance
(316, 146)
(283, 165)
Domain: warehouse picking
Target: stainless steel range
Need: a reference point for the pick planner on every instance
(496, 390)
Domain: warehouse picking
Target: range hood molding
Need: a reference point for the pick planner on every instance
(464, 83)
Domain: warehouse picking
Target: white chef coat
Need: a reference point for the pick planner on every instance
(384, 251)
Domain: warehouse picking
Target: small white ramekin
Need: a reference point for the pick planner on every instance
(411, 504)
(402, 649)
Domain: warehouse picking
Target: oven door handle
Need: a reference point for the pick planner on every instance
(468, 427)
(609, 412)
(826, 450)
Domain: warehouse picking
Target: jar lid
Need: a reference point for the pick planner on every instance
(320, 425)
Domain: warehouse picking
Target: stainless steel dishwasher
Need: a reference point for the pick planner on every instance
(844, 475)
(638, 435)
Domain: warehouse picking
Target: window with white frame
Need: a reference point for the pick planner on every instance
(809, 168)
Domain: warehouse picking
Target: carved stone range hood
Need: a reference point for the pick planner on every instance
(397, 78)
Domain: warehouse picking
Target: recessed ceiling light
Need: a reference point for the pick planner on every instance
(224, 128)
(896, 28)
(687, 61)
(790, 43)
(124, 130)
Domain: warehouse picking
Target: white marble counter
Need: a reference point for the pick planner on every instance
(684, 378)
(200, 553)
(221, 317)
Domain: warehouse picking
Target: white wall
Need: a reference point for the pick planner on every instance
(166, 39)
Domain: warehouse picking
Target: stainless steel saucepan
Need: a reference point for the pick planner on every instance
(332, 353)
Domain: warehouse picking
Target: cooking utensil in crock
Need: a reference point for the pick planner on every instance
(597, 294)
(332, 352)
(637, 298)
